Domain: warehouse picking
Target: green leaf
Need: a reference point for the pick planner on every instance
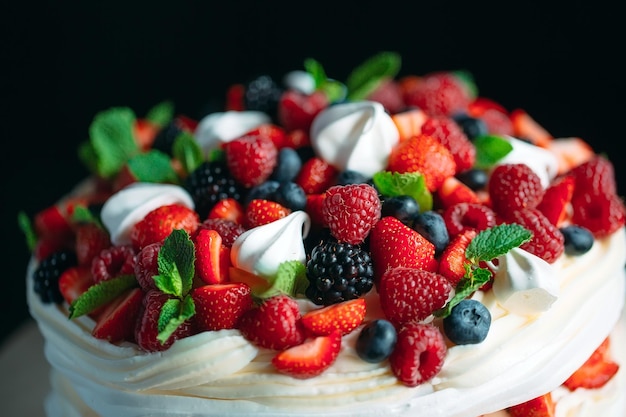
(333, 89)
(153, 166)
(393, 184)
(468, 81)
(176, 264)
(490, 149)
(112, 141)
(464, 289)
(364, 79)
(161, 114)
(23, 221)
(100, 294)
(316, 70)
(187, 150)
(496, 241)
(290, 279)
(174, 313)
(82, 214)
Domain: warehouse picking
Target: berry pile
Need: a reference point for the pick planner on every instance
(404, 231)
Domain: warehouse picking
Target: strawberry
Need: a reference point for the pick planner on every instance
(53, 221)
(310, 358)
(453, 191)
(297, 138)
(450, 134)
(235, 97)
(547, 241)
(408, 294)
(74, 281)
(117, 321)
(297, 110)
(229, 209)
(256, 283)
(260, 211)
(596, 371)
(440, 94)
(419, 353)
(316, 175)
(212, 257)
(313, 208)
(220, 306)
(146, 331)
(426, 155)
(452, 261)
(343, 317)
(144, 132)
(394, 244)
(274, 132)
(542, 406)
(274, 324)
(525, 127)
(556, 199)
(350, 211)
(91, 239)
(251, 159)
(513, 187)
(160, 222)
(228, 229)
(495, 116)
(409, 122)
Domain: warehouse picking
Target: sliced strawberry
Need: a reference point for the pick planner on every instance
(310, 358)
(596, 371)
(343, 317)
(91, 239)
(228, 229)
(144, 132)
(274, 132)
(452, 261)
(74, 281)
(570, 152)
(261, 211)
(453, 191)
(316, 175)
(228, 208)
(542, 406)
(52, 221)
(117, 321)
(409, 122)
(212, 257)
(297, 138)
(556, 199)
(220, 306)
(256, 283)
(525, 127)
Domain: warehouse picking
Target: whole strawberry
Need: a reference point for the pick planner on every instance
(513, 187)
(160, 222)
(409, 294)
(350, 211)
(251, 159)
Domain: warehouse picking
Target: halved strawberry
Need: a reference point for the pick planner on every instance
(116, 322)
(261, 211)
(542, 406)
(274, 132)
(53, 221)
(212, 257)
(452, 261)
(343, 317)
(310, 358)
(453, 191)
(409, 122)
(220, 306)
(256, 283)
(74, 281)
(227, 208)
(596, 371)
(556, 199)
(570, 152)
(144, 132)
(525, 127)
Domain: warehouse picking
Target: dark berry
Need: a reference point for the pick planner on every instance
(290, 195)
(338, 272)
(577, 240)
(263, 94)
(351, 177)
(402, 207)
(471, 126)
(210, 183)
(376, 341)
(165, 138)
(432, 226)
(468, 322)
(476, 179)
(287, 166)
(264, 191)
(46, 276)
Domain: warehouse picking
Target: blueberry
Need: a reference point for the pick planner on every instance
(266, 191)
(376, 341)
(471, 126)
(351, 177)
(577, 239)
(475, 179)
(468, 322)
(402, 207)
(290, 195)
(288, 165)
(432, 226)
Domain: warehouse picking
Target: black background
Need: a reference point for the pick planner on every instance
(65, 61)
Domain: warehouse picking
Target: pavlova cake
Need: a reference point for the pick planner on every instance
(387, 245)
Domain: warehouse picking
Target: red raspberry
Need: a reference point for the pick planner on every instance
(439, 94)
(113, 262)
(146, 266)
(498, 123)
(513, 187)
(596, 175)
(464, 216)
(91, 239)
(547, 241)
(229, 230)
(297, 110)
(389, 94)
(601, 213)
(251, 159)
(350, 211)
(419, 353)
(448, 132)
(408, 294)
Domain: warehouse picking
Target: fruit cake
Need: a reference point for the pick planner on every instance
(389, 245)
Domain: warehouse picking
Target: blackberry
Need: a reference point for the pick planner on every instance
(210, 183)
(338, 272)
(46, 276)
(263, 94)
(165, 138)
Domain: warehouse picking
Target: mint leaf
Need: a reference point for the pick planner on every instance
(465, 288)
(187, 150)
(176, 264)
(333, 89)
(496, 241)
(23, 221)
(111, 140)
(174, 313)
(290, 279)
(490, 149)
(100, 294)
(393, 184)
(82, 214)
(366, 78)
(161, 114)
(153, 166)
(316, 70)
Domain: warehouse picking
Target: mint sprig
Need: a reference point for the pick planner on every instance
(489, 150)
(100, 294)
(393, 184)
(153, 166)
(290, 279)
(161, 114)
(188, 151)
(333, 89)
(368, 76)
(486, 246)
